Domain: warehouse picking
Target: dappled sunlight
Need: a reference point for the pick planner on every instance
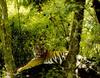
(24, 10)
(13, 9)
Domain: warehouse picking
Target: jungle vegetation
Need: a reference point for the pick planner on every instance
(45, 29)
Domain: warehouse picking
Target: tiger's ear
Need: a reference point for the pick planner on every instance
(30, 64)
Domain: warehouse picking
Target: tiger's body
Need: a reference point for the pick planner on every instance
(55, 57)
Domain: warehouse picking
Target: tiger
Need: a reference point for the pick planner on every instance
(55, 57)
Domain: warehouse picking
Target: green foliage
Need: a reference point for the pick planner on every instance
(48, 28)
(90, 41)
(47, 23)
(96, 33)
(55, 73)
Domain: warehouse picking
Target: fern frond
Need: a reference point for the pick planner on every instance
(32, 63)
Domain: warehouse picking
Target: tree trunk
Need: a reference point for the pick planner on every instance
(6, 41)
(75, 38)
